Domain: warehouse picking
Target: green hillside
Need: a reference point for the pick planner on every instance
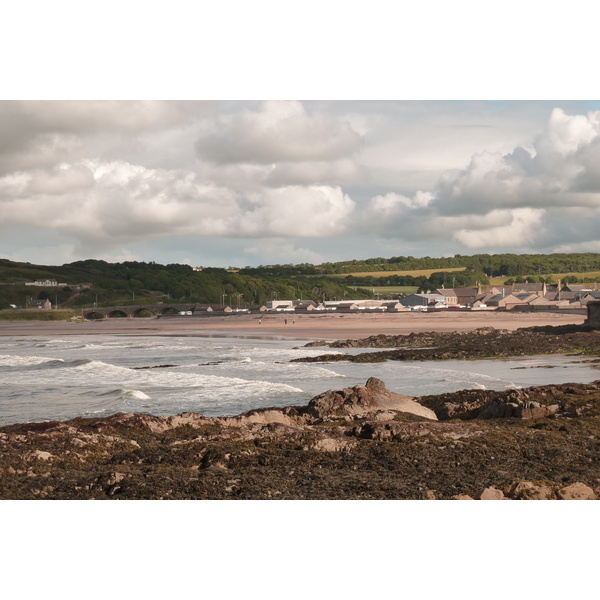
(92, 282)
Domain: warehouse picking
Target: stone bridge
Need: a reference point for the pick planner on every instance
(141, 310)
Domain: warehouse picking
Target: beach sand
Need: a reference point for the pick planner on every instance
(324, 326)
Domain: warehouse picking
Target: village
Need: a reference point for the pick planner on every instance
(515, 297)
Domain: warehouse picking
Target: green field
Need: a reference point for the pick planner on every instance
(38, 315)
(588, 276)
(389, 290)
(416, 273)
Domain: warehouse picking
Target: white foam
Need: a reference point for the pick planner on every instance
(9, 360)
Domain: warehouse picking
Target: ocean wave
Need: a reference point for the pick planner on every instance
(9, 360)
(125, 394)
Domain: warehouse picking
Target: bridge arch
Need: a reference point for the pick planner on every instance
(143, 312)
(116, 314)
(169, 310)
(93, 315)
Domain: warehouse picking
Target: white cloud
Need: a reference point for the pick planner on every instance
(296, 211)
(277, 131)
(562, 163)
(104, 205)
(392, 204)
(520, 228)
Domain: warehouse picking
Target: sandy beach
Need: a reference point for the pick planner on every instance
(326, 327)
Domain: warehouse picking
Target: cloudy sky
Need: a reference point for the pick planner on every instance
(263, 182)
(266, 178)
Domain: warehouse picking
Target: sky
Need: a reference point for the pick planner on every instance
(348, 136)
(236, 183)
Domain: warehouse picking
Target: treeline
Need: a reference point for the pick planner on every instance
(90, 282)
(434, 281)
(127, 283)
(492, 265)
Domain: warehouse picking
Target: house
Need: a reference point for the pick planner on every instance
(42, 304)
(449, 295)
(586, 297)
(273, 304)
(415, 300)
(466, 296)
(393, 306)
(511, 301)
(44, 282)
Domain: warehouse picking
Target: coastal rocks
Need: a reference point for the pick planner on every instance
(486, 342)
(263, 416)
(537, 402)
(497, 409)
(355, 443)
(332, 445)
(360, 401)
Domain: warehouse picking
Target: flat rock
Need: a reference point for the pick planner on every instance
(491, 493)
(577, 491)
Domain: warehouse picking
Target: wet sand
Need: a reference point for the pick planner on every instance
(326, 327)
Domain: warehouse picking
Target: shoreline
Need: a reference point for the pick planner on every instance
(326, 327)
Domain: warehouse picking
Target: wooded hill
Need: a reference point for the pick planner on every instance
(132, 282)
(148, 283)
(491, 265)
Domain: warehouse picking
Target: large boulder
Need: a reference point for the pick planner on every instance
(527, 490)
(577, 491)
(359, 401)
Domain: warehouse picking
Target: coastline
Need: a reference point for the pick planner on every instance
(359, 442)
(327, 326)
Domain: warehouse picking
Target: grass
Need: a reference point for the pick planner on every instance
(416, 273)
(38, 315)
(387, 290)
(588, 275)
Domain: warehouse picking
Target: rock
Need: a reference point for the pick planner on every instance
(359, 401)
(114, 478)
(461, 497)
(214, 460)
(41, 455)
(577, 491)
(332, 445)
(498, 409)
(526, 490)
(263, 416)
(491, 493)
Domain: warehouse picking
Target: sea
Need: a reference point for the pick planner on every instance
(61, 377)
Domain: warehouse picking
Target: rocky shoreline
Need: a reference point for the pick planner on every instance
(485, 342)
(364, 442)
